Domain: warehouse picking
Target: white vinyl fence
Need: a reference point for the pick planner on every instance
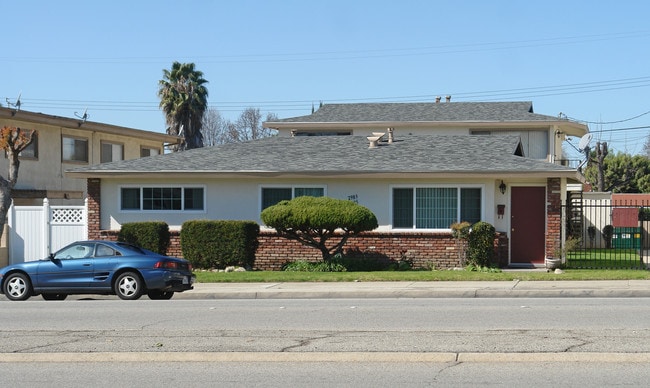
(37, 231)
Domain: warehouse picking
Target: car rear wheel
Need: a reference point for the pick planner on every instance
(54, 296)
(17, 286)
(128, 286)
(160, 295)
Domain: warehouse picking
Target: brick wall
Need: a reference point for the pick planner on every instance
(553, 215)
(424, 250)
(93, 186)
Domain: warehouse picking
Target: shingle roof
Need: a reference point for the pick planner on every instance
(421, 112)
(340, 155)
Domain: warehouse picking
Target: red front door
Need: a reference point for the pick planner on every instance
(527, 225)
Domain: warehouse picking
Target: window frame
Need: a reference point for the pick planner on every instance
(142, 148)
(102, 143)
(75, 138)
(293, 191)
(182, 199)
(33, 145)
(414, 204)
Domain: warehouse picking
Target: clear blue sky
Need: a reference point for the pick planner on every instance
(587, 59)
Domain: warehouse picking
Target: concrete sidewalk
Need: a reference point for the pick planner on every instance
(437, 289)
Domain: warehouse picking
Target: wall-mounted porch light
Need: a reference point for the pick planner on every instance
(502, 187)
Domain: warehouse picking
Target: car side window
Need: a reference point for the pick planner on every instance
(76, 251)
(103, 250)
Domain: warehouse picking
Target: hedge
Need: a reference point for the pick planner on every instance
(219, 244)
(151, 235)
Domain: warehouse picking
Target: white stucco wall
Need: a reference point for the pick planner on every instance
(241, 199)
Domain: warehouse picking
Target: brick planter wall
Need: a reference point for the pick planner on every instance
(424, 250)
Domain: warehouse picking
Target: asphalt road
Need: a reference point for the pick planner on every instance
(326, 342)
(324, 374)
(535, 325)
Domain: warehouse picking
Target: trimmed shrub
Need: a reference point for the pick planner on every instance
(219, 244)
(151, 235)
(480, 249)
(323, 223)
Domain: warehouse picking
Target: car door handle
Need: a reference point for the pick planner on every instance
(86, 264)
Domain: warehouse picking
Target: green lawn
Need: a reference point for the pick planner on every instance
(604, 259)
(592, 264)
(280, 276)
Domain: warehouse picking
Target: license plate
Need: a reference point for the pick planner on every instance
(186, 280)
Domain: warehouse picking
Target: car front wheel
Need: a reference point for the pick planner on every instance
(17, 286)
(160, 295)
(128, 286)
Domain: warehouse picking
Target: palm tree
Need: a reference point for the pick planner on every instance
(184, 99)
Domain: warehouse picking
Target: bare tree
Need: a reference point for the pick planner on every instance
(217, 130)
(249, 125)
(646, 147)
(12, 140)
(214, 128)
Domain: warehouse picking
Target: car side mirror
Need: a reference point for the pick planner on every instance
(51, 256)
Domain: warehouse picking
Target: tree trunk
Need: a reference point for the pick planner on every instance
(5, 203)
(326, 253)
(13, 141)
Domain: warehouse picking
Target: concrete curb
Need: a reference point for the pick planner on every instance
(500, 289)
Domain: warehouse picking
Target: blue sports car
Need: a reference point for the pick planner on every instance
(98, 267)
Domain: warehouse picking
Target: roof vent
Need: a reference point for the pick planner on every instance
(391, 137)
(448, 99)
(438, 99)
(374, 139)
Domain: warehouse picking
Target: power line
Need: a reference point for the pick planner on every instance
(497, 94)
(610, 122)
(303, 105)
(356, 54)
(622, 129)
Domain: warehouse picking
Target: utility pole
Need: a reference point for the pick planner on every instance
(601, 153)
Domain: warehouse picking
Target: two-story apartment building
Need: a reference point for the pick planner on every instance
(62, 143)
(541, 135)
(59, 144)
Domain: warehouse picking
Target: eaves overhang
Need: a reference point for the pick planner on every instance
(570, 128)
(380, 174)
(79, 124)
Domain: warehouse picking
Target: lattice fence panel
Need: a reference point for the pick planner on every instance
(67, 216)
